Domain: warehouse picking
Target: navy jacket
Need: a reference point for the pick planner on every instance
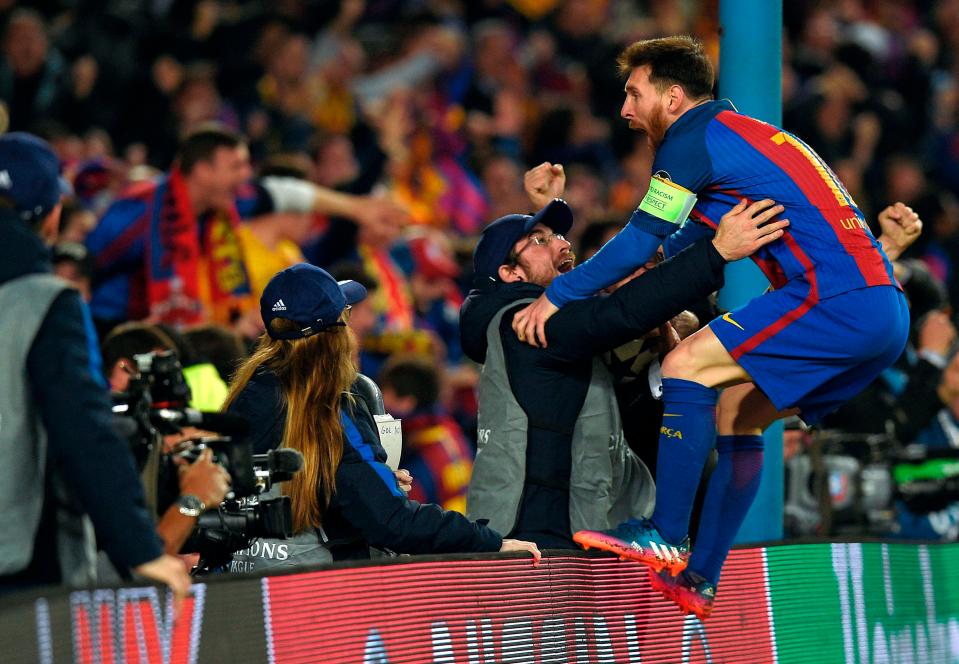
(367, 508)
(75, 409)
(550, 383)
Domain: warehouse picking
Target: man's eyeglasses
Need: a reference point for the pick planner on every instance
(538, 239)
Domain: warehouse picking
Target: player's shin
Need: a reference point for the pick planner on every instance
(732, 489)
(685, 441)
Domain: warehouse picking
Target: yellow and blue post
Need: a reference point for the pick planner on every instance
(750, 75)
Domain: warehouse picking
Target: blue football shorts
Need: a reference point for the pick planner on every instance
(815, 354)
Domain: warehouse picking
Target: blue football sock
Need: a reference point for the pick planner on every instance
(685, 441)
(731, 491)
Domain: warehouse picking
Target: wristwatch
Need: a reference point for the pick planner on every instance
(190, 505)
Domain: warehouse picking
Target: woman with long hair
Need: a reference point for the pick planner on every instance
(296, 392)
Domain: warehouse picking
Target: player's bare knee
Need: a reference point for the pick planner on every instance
(681, 363)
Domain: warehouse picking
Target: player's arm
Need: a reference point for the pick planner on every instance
(598, 324)
(664, 208)
(688, 235)
(615, 260)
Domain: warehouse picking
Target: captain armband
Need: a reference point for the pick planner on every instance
(668, 201)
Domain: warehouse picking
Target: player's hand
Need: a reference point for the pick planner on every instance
(171, 571)
(544, 183)
(748, 227)
(403, 480)
(901, 226)
(529, 324)
(520, 545)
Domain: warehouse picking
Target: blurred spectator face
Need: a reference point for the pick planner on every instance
(821, 32)
(585, 192)
(219, 179)
(197, 101)
(345, 65)
(580, 18)
(291, 62)
(503, 183)
(905, 180)
(502, 177)
(167, 74)
(69, 147)
(26, 44)
(363, 320)
(97, 144)
(645, 106)
(945, 223)
(832, 117)
(336, 162)
(949, 384)
(493, 50)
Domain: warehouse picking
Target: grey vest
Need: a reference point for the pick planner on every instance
(24, 303)
(608, 483)
(306, 548)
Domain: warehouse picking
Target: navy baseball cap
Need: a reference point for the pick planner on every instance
(30, 175)
(309, 296)
(498, 238)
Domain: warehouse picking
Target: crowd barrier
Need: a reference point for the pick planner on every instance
(825, 602)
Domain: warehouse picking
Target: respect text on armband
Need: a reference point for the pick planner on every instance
(667, 200)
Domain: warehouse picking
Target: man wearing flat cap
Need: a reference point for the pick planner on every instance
(551, 457)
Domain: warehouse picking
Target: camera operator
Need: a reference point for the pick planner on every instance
(203, 484)
(61, 457)
(294, 391)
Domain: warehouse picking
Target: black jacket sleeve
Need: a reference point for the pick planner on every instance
(91, 457)
(587, 327)
(919, 402)
(367, 497)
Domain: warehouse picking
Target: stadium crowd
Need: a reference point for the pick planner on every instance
(210, 144)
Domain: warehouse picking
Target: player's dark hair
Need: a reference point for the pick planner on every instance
(672, 61)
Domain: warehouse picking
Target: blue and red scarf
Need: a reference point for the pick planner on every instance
(195, 269)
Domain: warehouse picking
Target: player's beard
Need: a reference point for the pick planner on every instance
(657, 127)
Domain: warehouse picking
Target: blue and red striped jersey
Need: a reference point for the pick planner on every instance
(724, 156)
(119, 245)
